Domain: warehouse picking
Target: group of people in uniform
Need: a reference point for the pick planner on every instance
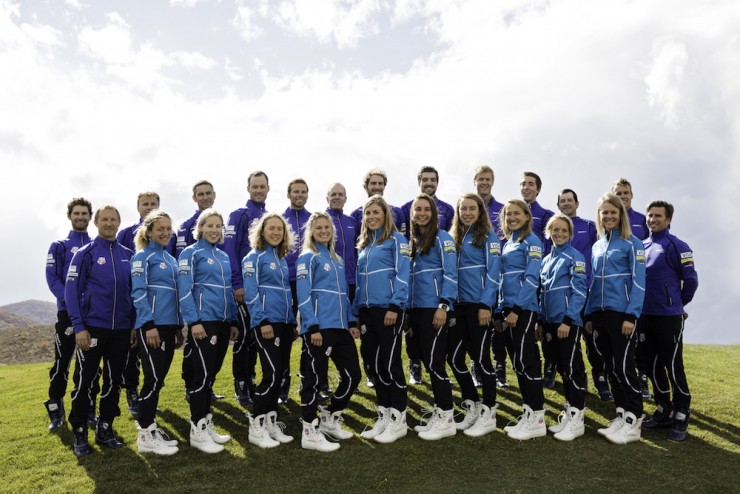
(456, 282)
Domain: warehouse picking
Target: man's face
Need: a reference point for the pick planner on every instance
(337, 197)
(483, 183)
(625, 194)
(204, 196)
(258, 189)
(298, 195)
(80, 218)
(657, 221)
(375, 185)
(567, 204)
(428, 183)
(528, 189)
(147, 204)
(108, 224)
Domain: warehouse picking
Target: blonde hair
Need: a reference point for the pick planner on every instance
(257, 239)
(551, 224)
(308, 242)
(142, 237)
(204, 215)
(526, 229)
(625, 231)
(388, 226)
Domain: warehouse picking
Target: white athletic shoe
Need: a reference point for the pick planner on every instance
(629, 432)
(275, 429)
(331, 424)
(614, 425)
(395, 429)
(425, 426)
(217, 438)
(533, 426)
(148, 442)
(313, 438)
(443, 426)
(562, 420)
(162, 435)
(258, 434)
(574, 426)
(379, 426)
(486, 422)
(519, 421)
(472, 411)
(201, 439)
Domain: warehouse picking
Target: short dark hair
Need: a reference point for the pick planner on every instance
(297, 181)
(427, 169)
(257, 173)
(537, 179)
(662, 204)
(202, 182)
(79, 201)
(565, 191)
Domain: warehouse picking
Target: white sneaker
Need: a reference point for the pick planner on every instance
(379, 426)
(217, 438)
(425, 426)
(614, 425)
(258, 434)
(574, 426)
(395, 429)
(331, 424)
(562, 420)
(275, 429)
(148, 442)
(162, 435)
(519, 421)
(472, 411)
(443, 426)
(313, 438)
(629, 432)
(201, 439)
(533, 426)
(486, 422)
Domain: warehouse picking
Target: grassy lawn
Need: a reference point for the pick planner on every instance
(34, 460)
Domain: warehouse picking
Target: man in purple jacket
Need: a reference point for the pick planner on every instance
(374, 183)
(670, 283)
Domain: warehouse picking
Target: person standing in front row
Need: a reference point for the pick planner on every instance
(328, 330)
(521, 259)
(208, 307)
(562, 297)
(613, 307)
(98, 297)
(382, 295)
(671, 282)
(270, 305)
(432, 292)
(158, 323)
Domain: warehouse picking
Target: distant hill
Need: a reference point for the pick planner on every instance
(34, 311)
(11, 320)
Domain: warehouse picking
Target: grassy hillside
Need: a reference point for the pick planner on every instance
(38, 311)
(35, 460)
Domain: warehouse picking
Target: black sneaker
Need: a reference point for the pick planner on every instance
(645, 388)
(548, 379)
(602, 387)
(680, 426)
(105, 436)
(132, 401)
(501, 381)
(661, 419)
(81, 446)
(415, 372)
(241, 391)
(55, 408)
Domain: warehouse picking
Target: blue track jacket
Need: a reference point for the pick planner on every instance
(434, 274)
(479, 271)
(267, 288)
(383, 273)
(154, 288)
(520, 273)
(563, 281)
(57, 263)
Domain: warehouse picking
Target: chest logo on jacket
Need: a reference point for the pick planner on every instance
(74, 249)
(101, 260)
(162, 265)
(210, 261)
(327, 267)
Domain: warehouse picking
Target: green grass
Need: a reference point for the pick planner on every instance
(34, 460)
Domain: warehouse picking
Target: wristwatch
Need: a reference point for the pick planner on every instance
(444, 307)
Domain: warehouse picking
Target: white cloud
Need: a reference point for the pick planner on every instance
(665, 79)
(185, 3)
(75, 4)
(192, 60)
(111, 44)
(244, 22)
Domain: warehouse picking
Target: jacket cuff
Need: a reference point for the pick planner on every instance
(484, 307)
(313, 329)
(352, 324)
(148, 325)
(445, 301)
(394, 308)
(264, 322)
(516, 310)
(630, 318)
(567, 320)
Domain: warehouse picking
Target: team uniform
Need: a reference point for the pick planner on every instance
(347, 232)
(671, 282)
(540, 217)
(98, 297)
(382, 286)
(184, 236)
(236, 245)
(57, 262)
(478, 278)
(616, 295)
(638, 224)
(396, 214)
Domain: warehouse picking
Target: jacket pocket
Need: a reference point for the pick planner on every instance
(668, 298)
(154, 303)
(436, 285)
(626, 292)
(200, 301)
(390, 285)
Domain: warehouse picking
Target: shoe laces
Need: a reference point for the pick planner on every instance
(427, 414)
(162, 434)
(516, 420)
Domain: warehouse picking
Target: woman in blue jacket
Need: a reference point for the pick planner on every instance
(328, 331)
(380, 299)
(158, 323)
(270, 305)
(563, 295)
(614, 304)
(521, 258)
(433, 290)
(208, 307)
(478, 278)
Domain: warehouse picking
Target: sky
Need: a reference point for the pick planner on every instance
(104, 99)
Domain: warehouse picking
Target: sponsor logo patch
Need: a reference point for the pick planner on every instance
(136, 264)
(327, 267)
(214, 339)
(69, 331)
(273, 266)
(580, 267)
(494, 248)
(210, 261)
(101, 260)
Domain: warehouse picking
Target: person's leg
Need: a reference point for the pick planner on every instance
(344, 356)
(572, 369)
(204, 363)
(64, 347)
(240, 359)
(458, 340)
(433, 344)
(529, 365)
(265, 396)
